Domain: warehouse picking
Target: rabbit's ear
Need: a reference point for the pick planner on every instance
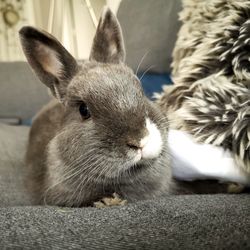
(52, 63)
(108, 45)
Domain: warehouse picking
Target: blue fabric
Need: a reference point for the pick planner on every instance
(27, 122)
(152, 82)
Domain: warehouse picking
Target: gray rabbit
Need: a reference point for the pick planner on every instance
(101, 135)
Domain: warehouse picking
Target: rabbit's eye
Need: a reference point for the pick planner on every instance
(84, 110)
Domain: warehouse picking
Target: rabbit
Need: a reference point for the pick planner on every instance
(100, 135)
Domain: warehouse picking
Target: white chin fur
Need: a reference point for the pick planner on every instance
(152, 143)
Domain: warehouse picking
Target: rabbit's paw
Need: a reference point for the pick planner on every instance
(114, 200)
(235, 188)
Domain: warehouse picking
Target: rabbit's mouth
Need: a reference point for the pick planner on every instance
(149, 146)
(141, 166)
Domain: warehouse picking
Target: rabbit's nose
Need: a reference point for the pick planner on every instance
(135, 144)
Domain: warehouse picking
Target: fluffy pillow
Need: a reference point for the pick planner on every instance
(211, 71)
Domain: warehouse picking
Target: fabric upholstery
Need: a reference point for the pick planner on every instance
(180, 222)
(21, 93)
(170, 222)
(149, 28)
(13, 140)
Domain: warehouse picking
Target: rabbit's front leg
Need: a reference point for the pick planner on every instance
(114, 200)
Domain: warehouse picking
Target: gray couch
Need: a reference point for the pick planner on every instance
(170, 222)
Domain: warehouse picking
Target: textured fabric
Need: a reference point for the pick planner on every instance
(152, 83)
(12, 171)
(171, 222)
(149, 28)
(177, 222)
(211, 95)
(21, 93)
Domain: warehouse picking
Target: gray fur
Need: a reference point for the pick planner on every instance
(108, 43)
(211, 71)
(38, 47)
(74, 162)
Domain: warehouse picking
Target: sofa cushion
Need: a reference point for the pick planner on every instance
(149, 28)
(173, 222)
(13, 140)
(21, 93)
